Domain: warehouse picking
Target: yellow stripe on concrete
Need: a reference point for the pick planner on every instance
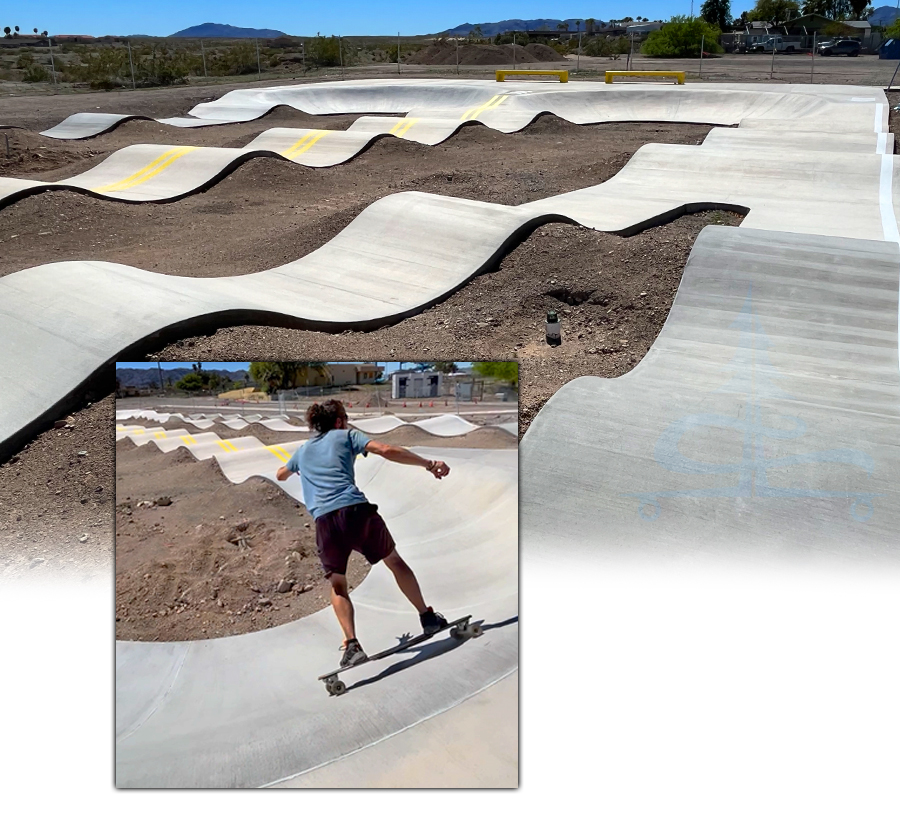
(189, 441)
(157, 166)
(160, 435)
(304, 144)
(490, 104)
(279, 452)
(227, 445)
(402, 126)
(139, 431)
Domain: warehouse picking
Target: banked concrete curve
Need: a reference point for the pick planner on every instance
(512, 105)
(409, 250)
(248, 711)
(763, 423)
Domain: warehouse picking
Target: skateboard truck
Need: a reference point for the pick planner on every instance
(459, 629)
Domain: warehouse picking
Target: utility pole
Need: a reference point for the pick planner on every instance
(258, 65)
(772, 71)
(203, 55)
(578, 56)
(341, 56)
(702, 42)
(52, 64)
(162, 390)
(398, 53)
(131, 63)
(812, 64)
(457, 52)
(514, 50)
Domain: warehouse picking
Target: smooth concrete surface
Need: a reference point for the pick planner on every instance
(512, 105)
(148, 173)
(764, 421)
(249, 711)
(451, 749)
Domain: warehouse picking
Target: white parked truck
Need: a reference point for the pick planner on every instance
(779, 44)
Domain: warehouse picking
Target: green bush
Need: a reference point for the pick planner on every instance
(325, 52)
(603, 47)
(35, 74)
(681, 38)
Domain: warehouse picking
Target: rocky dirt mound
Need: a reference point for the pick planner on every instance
(484, 54)
(198, 557)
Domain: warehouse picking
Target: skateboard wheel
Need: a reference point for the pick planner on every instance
(338, 688)
(475, 630)
(456, 633)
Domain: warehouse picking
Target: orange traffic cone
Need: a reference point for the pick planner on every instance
(431, 404)
(404, 404)
(420, 404)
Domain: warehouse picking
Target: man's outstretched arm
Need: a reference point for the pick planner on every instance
(283, 473)
(409, 458)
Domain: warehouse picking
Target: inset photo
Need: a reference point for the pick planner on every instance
(316, 574)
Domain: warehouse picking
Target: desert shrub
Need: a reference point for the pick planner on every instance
(681, 38)
(604, 47)
(324, 52)
(35, 74)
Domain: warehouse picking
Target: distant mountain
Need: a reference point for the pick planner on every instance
(135, 377)
(223, 30)
(491, 29)
(884, 16)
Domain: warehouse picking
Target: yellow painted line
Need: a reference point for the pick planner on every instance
(189, 441)
(475, 112)
(402, 126)
(279, 452)
(120, 428)
(160, 435)
(157, 166)
(227, 445)
(139, 431)
(304, 144)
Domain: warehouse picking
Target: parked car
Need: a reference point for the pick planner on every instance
(841, 47)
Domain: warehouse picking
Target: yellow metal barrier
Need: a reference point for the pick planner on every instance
(677, 75)
(562, 74)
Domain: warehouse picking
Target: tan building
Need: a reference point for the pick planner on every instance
(351, 374)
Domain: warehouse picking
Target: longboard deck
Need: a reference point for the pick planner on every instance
(397, 648)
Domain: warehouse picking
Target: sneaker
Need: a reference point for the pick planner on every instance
(353, 654)
(432, 622)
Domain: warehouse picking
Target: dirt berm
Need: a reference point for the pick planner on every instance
(485, 54)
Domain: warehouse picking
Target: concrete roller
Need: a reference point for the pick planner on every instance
(763, 423)
(512, 105)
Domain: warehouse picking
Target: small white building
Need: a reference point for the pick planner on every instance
(416, 384)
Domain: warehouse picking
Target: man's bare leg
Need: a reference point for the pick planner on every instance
(406, 580)
(343, 607)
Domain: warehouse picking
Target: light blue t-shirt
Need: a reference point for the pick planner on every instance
(325, 466)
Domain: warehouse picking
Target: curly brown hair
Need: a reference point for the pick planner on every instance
(323, 418)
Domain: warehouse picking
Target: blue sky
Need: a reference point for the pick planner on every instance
(351, 17)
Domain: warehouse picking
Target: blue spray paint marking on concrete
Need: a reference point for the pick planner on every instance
(753, 379)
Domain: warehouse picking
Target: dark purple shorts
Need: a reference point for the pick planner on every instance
(358, 527)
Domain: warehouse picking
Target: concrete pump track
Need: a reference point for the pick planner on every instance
(764, 419)
(443, 425)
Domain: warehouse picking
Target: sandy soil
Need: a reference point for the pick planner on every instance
(199, 557)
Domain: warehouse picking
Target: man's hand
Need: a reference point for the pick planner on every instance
(438, 468)
(397, 454)
(283, 473)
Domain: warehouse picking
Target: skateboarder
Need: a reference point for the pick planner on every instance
(345, 520)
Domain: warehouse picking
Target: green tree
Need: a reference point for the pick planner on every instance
(835, 9)
(774, 11)
(859, 9)
(681, 37)
(502, 371)
(445, 367)
(324, 52)
(717, 13)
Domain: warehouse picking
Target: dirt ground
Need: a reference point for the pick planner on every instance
(199, 557)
